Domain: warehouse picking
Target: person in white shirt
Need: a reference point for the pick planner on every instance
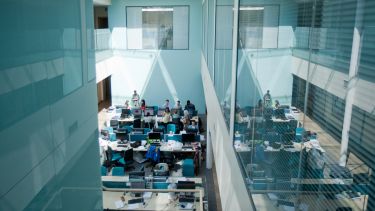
(135, 99)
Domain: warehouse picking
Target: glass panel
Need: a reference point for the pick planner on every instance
(295, 99)
(158, 27)
(223, 57)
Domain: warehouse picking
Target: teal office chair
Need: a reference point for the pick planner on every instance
(171, 127)
(147, 130)
(104, 171)
(118, 171)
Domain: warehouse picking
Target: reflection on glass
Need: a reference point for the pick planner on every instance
(157, 28)
(292, 104)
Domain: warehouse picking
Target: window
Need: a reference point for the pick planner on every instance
(258, 26)
(158, 27)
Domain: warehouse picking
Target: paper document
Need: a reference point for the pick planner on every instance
(147, 195)
(119, 204)
(189, 206)
(133, 206)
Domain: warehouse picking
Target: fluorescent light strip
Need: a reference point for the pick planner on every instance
(251, 8)
(157, 9)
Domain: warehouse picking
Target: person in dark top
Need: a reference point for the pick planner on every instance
(143, 105)
(190, 107)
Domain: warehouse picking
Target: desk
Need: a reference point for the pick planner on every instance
(158, 201)
(326, 181)
(165, 147)
(197, 180)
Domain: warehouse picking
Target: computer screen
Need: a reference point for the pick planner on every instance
(158, 130)
(186, 200)
(185, 185)
(138, 131)
(150, 111)
(137, 112)
(279, 113)
(154, 136)
(188, 137)
(161, 111)
(125, 111)
(138, 185)
(135, 201)
(136, 174)
(122, 136)
(192, 130)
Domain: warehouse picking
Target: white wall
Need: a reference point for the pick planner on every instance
(231, 184)
(156, 75)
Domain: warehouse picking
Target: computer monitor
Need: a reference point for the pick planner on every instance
(138, 185)
(188, 137)
(150, 111)
(192, 130)
(138, 131)
(125, 112)
(161, 111)
(121, 136)
(186, 200)
(158, 130)
(136, 201)
(185, 185)
(279, 113)
(137, 112)
(136, 174)
(154, 136)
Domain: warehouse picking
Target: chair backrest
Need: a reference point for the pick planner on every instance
(118, 171)
(137, 123)
(104, 170)
(113, 123)
(128, 155)
(171, 127)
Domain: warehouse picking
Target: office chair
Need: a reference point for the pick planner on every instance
(104, 170)
(113, 156)
(167, 157)
(161, 169)
(128, 157)
(171, 127)
(178, 123)
(137, 123)
(118, 171)
(113, 123)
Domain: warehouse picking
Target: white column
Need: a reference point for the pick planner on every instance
(353, 70)
(209, 153)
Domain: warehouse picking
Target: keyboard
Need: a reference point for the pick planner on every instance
(122, 145)
(186, 147)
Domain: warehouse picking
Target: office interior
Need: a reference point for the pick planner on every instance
(283, 95)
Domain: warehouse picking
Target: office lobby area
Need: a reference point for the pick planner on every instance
(264, 105)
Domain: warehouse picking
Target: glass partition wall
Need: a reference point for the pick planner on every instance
(303, 110)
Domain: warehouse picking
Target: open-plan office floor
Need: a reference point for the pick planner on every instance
(209, 177)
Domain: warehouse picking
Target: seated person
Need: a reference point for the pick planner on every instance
(186, 119)
(193, 125)
(166, 116)
(127, 105)
(239, 116)
(175, 114)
